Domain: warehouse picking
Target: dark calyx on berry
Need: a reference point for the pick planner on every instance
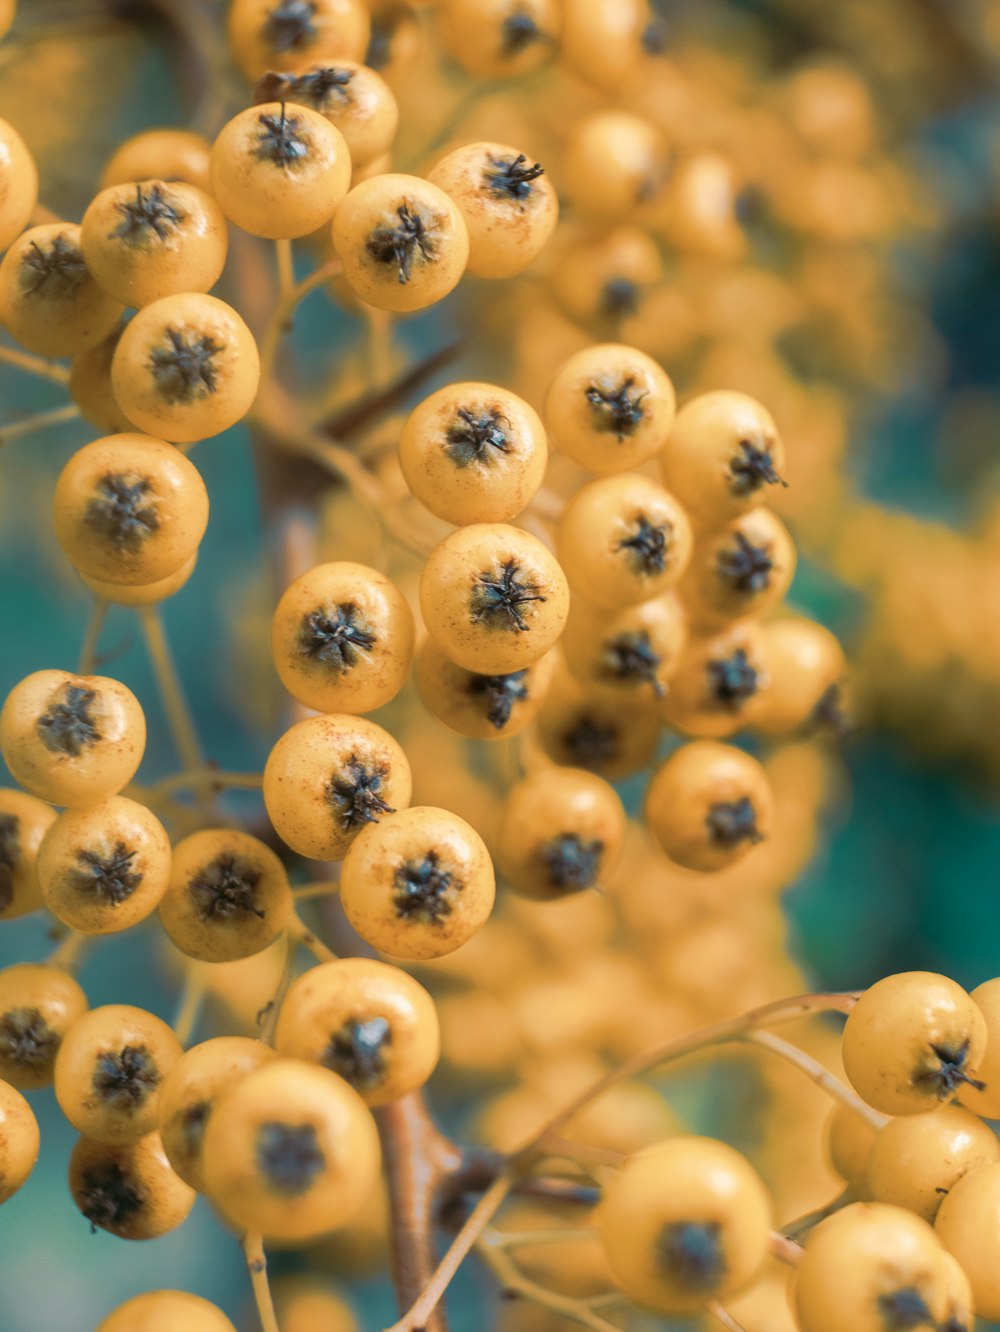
(109, 1198)
(630, 657)
(730, 822)
(746, 566)
(424, 891)
(120, 512)
(499, 694)
(647, 545)
(56, 269)
(151, 213)
(948, 1073)
(591, 743)
(317, 88)
(280, 140)
(617, 411)
(289, 1156)
(497, 598)
(619, 297)
(904, 1310)
(26, 1039)
(571, 863)
(732, 680)
(225, 888)
(383, 32)
(358, 1052)
(409, 240)
(68, 727)
(656, 36)
(193, 1121)
(10, 854)
(125, 1078)
(691, 1253)
(336, 637)
(510, 177)
(289, 25)
(109, 877)
(829, 713)
(519, 31)
(184, 367)
(473, 436)
(354, 794)
(752, 468)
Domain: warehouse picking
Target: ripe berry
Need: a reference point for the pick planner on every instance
(128, 1188)
(166, 1311)
(19, 193)
(968, 1224)
(163, 154)
(19, 1141)
(722, 683)
(500, 39)
(590, 728)
(24, 821)
(740, 570)
(806, 666)
(141, 594)
(985, 1100)
(292, 34)
(482, 707)
(614, 163)
(352, 97)
(634, 652)
(38, 1005)
(917, 1159)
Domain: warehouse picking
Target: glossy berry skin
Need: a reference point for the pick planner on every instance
(911, 1041)
(508, 203)
(986, 1102)
(631, 653)
(190, 1092)
(280, 170)
(90, 387)
(291, 1152)
(370, 1023)
(166, 1311)
(50, 301)
(709, 805)
(128, 1189)
(352, 97)
(342, 638)
(721, 685)
(109, 1071)
(482, 707)
(561, 831)
(129, 509)
(918, 1159)
(72, 739)
(228, 896)
(723, 457)
(18, 184)
(622, 539)
(160, 154)
(601, 39)
(38, 1005)
(142, 594)
(24, 821)
(739, 571)
(402, 241)
(849, 1142)
(610, 408)
(493, 598)
(807, 668)
(186, 368)
(501, 39)
(104, 868)
(147, 239)
(19, 1140)
(473, 453)
(684, 1222)
(327, 778)
(968, 1224)
(418, 884)
(614, 162)
(290, 35)
(870, 1268)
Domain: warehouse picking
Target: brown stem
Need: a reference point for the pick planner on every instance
(370, 406)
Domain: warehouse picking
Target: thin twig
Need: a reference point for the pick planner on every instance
(69, 953)
(513, 1282)
(95, 625)
(192, 997)
(35, 365)
(784, 1249)
(174, 703)
(300, 933)
(363, 411)
(723, 1316)
(815, 1071)
(253, 1249)
(215, 779)
(30, 425)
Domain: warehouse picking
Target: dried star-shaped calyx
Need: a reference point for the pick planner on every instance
(630, 657)
(905, 1310)
(510, 177)
(336, 637)
(691, 1253)
(109, 1198)
(111, 877)
(68, 727)
(281, 139)
(354, 793)
(619, 297)
(153, 212)
(520, 31)
(55, 269)
(746, 566)
(473, 438)
(10, 855)
(572, 863)
(499, 694)
(184, 367)
(123, 511)
(193, 1122)
(617, 411)
(289, 1156)
(358, 1052)
(26, 1039)
(125, 1078)
(224, 888)
(591, 743)
(732, 680)
(647, 545)
(410, 239)
(829, 713)
(947, 1071)
(497, 598)
(730, 822)
(289, 25)
(423, 891)
(316, 88)
(383, 31)
(752, 468)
